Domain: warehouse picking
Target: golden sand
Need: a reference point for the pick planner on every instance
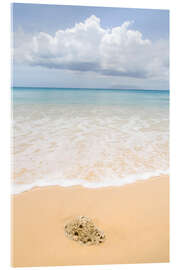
(134, 218)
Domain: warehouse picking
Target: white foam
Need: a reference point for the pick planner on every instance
(19, 188)
(89, 146)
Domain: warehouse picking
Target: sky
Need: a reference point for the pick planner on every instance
(90, 47)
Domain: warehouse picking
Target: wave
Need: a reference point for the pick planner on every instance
(91, 146)
(19, 188)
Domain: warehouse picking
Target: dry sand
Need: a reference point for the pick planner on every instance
(135, 219)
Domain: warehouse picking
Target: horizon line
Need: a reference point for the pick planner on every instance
(123, 89)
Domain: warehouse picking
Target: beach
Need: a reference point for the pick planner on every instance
(90, 136)
(98, 153)
(134, 218)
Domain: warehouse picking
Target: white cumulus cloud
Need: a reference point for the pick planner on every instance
(87, 46)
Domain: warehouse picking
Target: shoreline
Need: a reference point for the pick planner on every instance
(95, 185)
(134, 217)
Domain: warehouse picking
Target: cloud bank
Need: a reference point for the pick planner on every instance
(87, 47)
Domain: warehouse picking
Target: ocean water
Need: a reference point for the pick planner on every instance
(89, 137)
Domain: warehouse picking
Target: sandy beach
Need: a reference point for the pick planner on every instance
(134, 217)
(90, 100)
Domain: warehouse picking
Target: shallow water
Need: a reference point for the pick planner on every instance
(89, 137)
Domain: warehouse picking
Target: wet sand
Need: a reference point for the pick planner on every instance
(134, 217)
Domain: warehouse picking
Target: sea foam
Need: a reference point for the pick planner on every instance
(19, 188)
(88, 145)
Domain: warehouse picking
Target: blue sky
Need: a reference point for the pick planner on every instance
(73, 46)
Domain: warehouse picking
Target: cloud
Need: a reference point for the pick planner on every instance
(87, 47)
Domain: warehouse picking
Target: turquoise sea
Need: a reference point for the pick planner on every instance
(25, 95)
(88, 137)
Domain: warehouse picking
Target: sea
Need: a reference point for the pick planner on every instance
(88, 137)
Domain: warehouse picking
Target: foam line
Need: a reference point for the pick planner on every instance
(19, 188)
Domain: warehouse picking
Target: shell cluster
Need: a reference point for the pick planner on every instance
(83, 230)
